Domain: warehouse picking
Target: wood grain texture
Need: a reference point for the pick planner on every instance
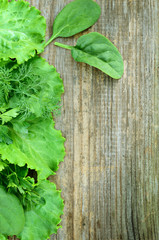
(110, 176)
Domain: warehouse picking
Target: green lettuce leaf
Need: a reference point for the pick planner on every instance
(41, 148)
(4, 136)
(43, 220)
(22, 30)
(11, 214)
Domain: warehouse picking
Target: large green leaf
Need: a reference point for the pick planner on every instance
(41, 147)
(42, 221)
(74, 18)
(22, 30)
(97, 51)
(11, 214)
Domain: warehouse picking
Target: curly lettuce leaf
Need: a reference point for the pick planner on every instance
(42, 148)
(11, 214)
(22, 30)
(43, 220)
(34, 89)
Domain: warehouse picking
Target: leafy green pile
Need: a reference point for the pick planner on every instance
(30, 94)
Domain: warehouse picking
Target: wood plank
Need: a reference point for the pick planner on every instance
(110, 176)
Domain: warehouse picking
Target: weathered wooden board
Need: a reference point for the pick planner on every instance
(110, 176)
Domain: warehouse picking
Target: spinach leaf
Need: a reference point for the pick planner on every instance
(97, 51)
(74, 18)
(11, 214)
(22, 31)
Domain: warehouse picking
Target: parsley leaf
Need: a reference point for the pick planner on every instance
(16, 180)
(9, 115)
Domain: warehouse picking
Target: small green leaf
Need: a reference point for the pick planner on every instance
(9, 115)
(2, 165)
(74, 18)
(42, 221)
(22, 30)
(97, 51)
(11, 214)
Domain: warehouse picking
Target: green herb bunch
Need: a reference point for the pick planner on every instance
(30, 94)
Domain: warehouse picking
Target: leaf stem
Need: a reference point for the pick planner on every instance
(54, 36)
(63, 45)
(50, 40)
